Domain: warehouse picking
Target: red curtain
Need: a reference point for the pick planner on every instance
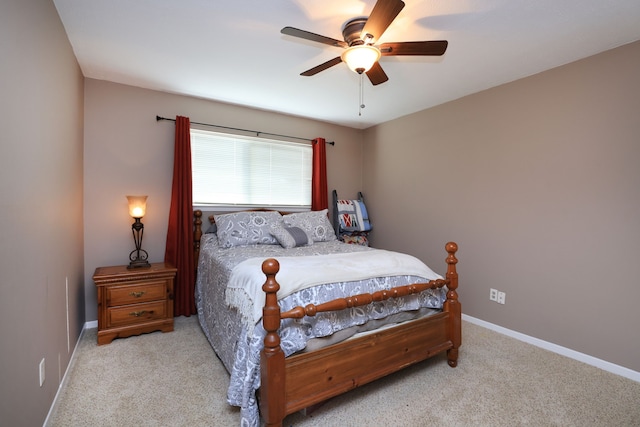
(319, 191)
(179, 249)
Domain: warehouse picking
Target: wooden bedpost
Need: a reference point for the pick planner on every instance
(272, 357)
(452, 305)
(197, 234)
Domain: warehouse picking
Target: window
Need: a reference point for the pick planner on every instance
(242, 171)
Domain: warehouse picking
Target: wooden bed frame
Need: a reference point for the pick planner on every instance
(306, 379)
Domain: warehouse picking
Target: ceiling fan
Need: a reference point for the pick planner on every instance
(360, 34)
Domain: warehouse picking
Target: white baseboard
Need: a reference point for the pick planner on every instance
(91, 325)
(572, 354)
(66, 371)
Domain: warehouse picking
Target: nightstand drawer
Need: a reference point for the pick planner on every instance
(142, 292)
(135, 313)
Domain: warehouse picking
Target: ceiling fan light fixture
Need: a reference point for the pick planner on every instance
(360, 58)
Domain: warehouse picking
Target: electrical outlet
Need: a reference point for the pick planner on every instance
(493, 294)
(41, 369)
(501, 298)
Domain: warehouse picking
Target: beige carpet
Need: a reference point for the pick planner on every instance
(175, 379)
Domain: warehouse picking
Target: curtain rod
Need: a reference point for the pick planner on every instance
(258, 133)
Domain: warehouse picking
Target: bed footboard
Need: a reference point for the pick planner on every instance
(299, 381)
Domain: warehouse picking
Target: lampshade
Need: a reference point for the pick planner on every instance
(137, 206)
(360, 58)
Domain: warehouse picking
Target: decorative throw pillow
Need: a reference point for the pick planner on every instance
(315, 223)
(247, 228)
(291, 237)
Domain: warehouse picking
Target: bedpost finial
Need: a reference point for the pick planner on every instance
(451, 247)
(270, 266)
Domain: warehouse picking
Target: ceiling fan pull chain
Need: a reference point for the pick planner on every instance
(361, 103)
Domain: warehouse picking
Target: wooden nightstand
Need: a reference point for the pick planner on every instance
(134, 301)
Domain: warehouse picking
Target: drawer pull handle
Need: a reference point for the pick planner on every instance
(140, 313)
(137, 294)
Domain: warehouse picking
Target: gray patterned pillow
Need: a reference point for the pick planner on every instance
(247, 228)
(291, 237)
(315, 223)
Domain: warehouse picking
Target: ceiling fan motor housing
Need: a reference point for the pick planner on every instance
(352, 31)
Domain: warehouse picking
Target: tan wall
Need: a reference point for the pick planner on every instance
(41, 256)
(539, 183)
(128, 152)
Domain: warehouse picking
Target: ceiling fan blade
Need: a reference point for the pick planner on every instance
(290, 31)
(322, 67)
(382, 15)
(377, 75)
(433, 48)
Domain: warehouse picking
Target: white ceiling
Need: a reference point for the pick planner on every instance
(232, 51)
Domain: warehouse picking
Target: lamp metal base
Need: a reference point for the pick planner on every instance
(139, 263)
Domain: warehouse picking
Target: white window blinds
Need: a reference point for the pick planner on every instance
(232, 170)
